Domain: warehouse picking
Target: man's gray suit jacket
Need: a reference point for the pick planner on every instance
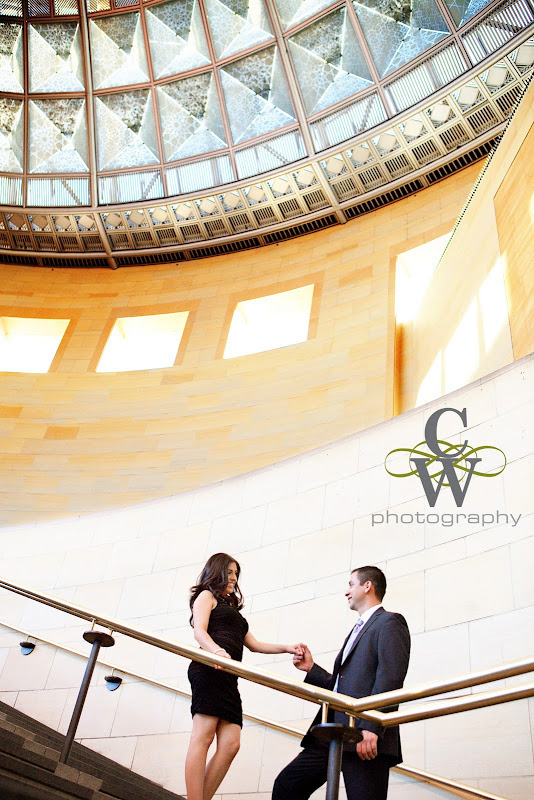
(377, 662)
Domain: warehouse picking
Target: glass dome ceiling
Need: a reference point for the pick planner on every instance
(123, 101)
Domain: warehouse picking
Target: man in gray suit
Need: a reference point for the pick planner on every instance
(374, 659)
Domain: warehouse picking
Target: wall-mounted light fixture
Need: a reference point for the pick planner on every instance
(112, 681)
(27, 647)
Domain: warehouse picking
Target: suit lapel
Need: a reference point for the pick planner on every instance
(366, 628)
(339, 657)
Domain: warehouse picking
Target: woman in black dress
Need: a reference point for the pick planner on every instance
(216, 602)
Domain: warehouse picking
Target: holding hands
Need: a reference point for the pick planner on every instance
(296, 650)
(303, 660)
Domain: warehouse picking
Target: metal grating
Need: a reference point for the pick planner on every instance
(426, 152)
(130, 186)
(69, 243)
(151, 258)
(483, 119)
(353, 119)
(240, 223)
(215, 227)
(507, 101)
(65, 7)
(38, 8)
(62, 192)
(454, 137)
(119, 241)
(497, 28)
(10, 191)
(167, 236)
(270, 154)
(92, 243)
(316, 200)
(424, 79)
(79, 261)
(45, 242)
(143, 239)
(227, 247)
(372, 177)
(459, 163)
(265, 216)
(27, 261)
(301, 230)
(23, 241)
(383, 199)
(398, 166)
(192, 233)
(290, 208)
(346, 188)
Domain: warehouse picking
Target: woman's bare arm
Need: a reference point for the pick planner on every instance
(271, 648)
(202, 608)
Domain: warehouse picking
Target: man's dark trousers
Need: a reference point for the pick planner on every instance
(364, 780)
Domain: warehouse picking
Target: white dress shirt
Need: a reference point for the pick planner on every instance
(365, 617)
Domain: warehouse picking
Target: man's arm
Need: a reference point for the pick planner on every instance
(393, 659)
(315, 674)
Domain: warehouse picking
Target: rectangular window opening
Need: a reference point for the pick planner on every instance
(29, 345)
(267, 323)
(145, 342)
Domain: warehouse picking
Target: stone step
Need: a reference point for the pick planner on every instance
(32, 750)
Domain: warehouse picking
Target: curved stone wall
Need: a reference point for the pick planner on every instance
(297, 528)
(75, 441)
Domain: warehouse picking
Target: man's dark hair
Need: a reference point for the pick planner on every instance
(376, 576)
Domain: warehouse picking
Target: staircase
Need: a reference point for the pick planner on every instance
(30, 768)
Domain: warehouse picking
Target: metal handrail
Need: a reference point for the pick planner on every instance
(364, 708)
(453, 787)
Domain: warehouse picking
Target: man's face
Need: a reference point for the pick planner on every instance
(356, 592)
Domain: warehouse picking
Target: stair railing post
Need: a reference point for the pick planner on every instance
(335, 735)
(97, 639)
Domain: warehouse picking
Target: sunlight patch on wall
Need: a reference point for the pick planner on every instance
(149, 342)
(266, 323)
(479, 331)
(29, 345)
(493, 306)
(415, 269)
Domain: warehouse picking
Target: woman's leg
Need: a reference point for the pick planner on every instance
(228, 740)
(202, 736)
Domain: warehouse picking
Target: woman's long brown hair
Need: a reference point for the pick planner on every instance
(214, 577)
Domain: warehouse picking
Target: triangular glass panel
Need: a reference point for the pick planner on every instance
(11, 134)
(176, 35)
(55, 57)
(190, 117)
(118, 51)
(397, 32)
(57, 135)
(293, 11)
(329, 63)
(125, 130)
(463, 10)
(236, 25)
(256, 95)
(11, 53)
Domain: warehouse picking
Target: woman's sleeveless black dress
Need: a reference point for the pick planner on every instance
(214, 691)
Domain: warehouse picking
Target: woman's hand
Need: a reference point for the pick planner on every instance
(296, 650)
(223, 654)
